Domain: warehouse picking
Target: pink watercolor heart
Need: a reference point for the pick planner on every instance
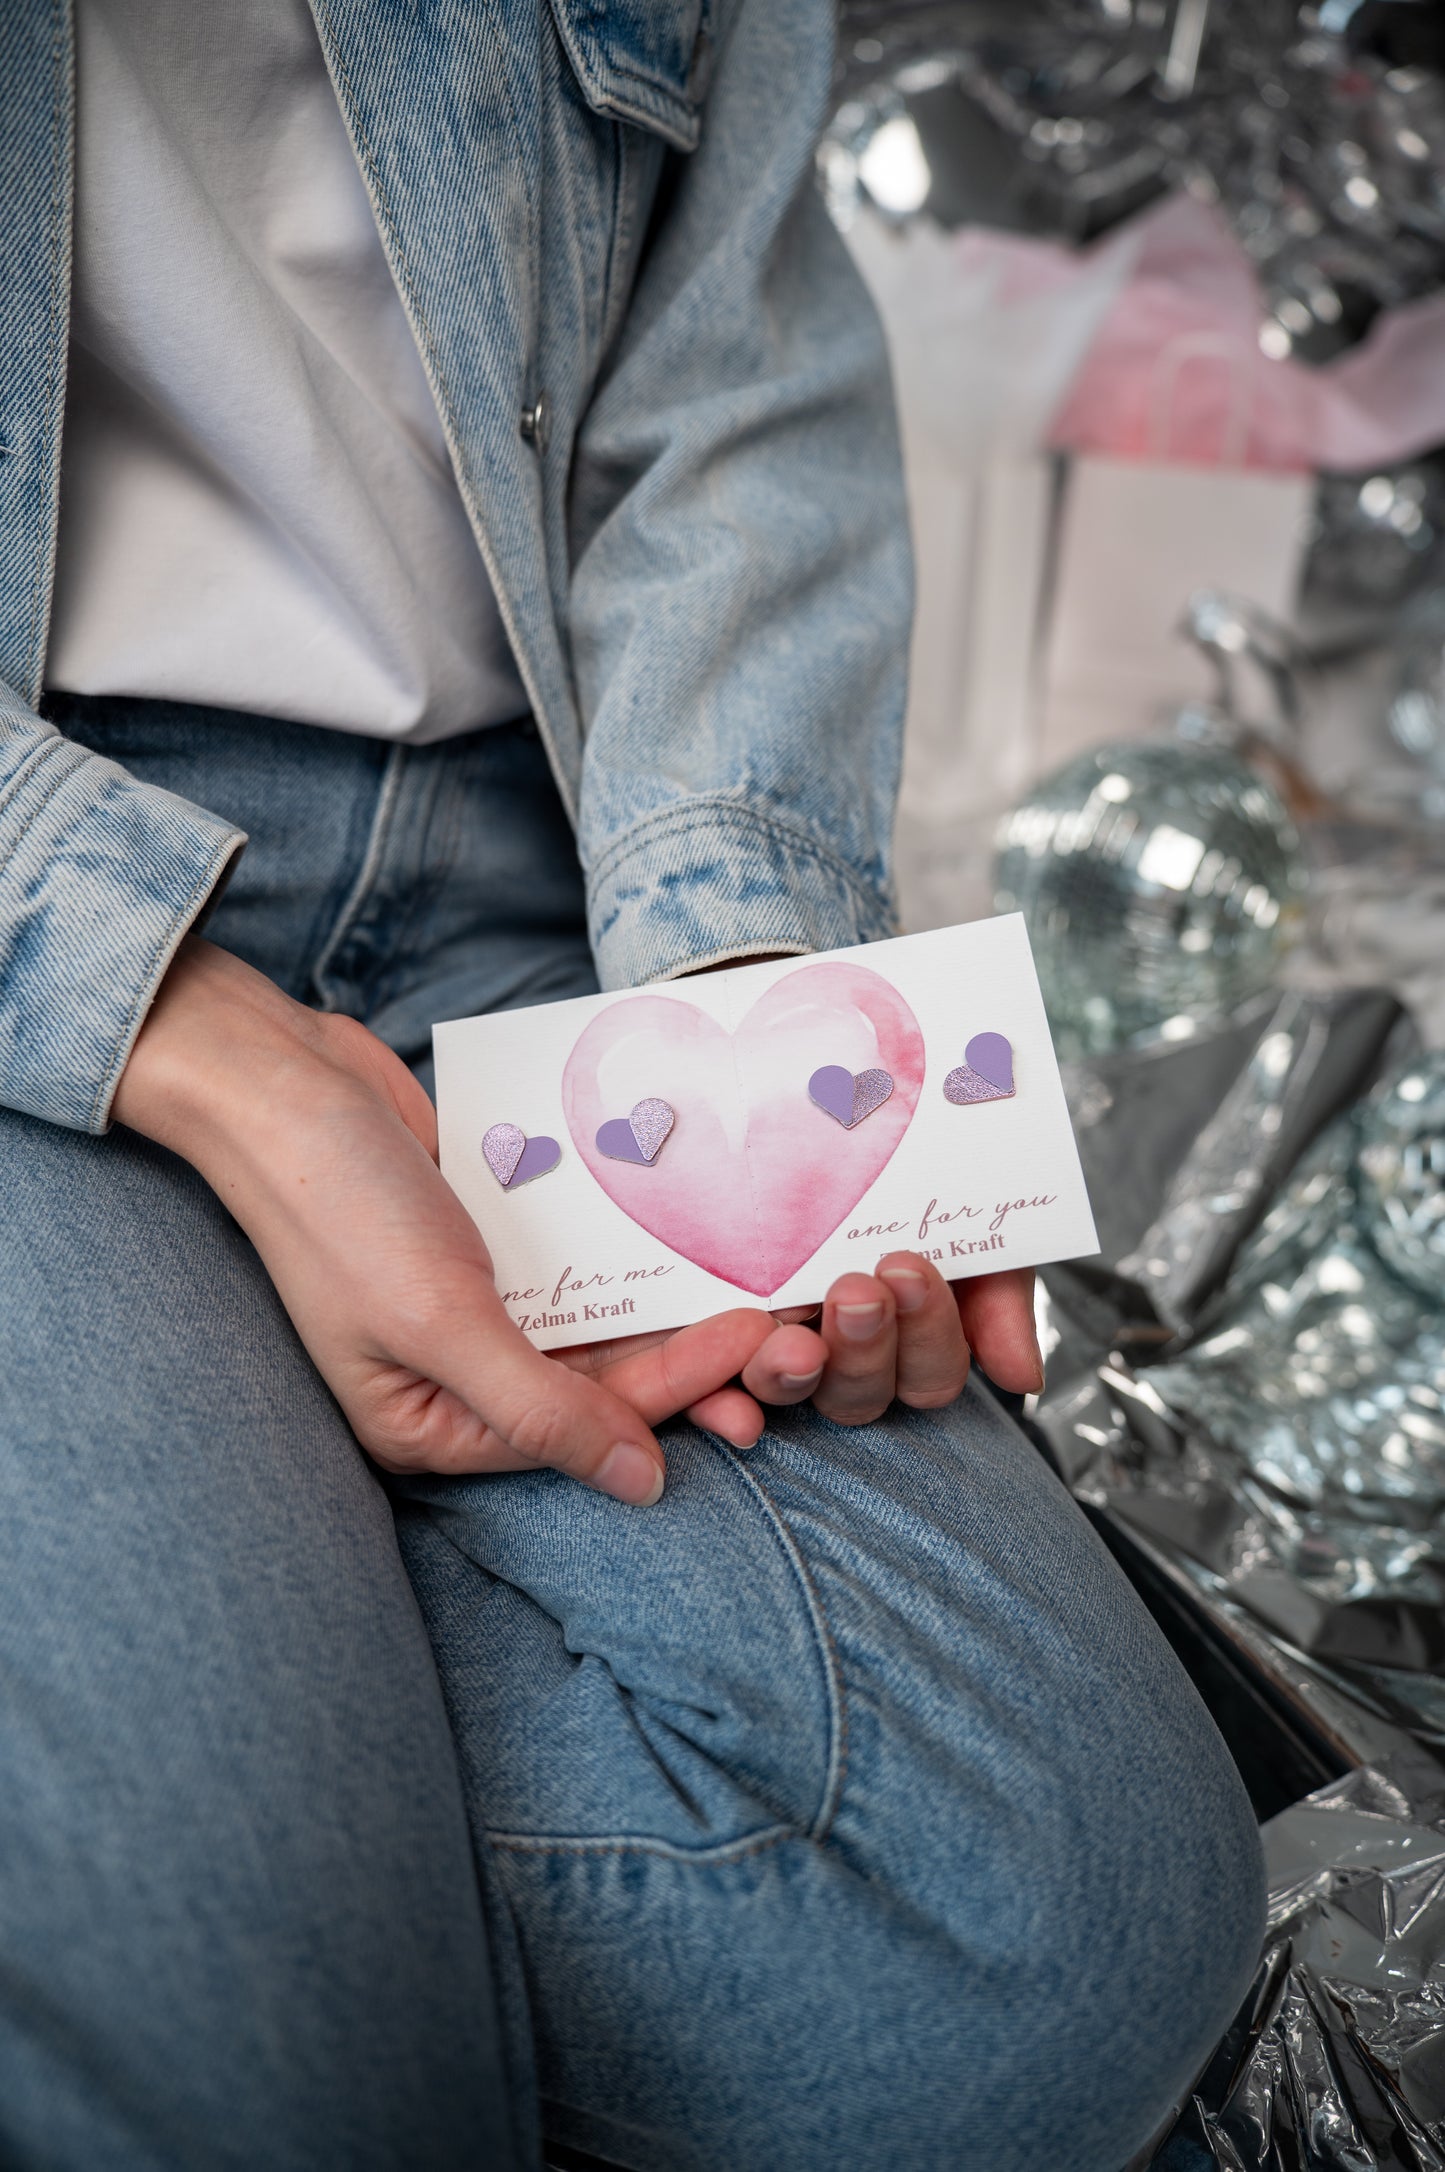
(755, 1176)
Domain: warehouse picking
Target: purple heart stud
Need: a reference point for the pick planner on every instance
(986, 1074)
(638, 1136)
(515, 1159)
(991, 1056)
(849, 1096)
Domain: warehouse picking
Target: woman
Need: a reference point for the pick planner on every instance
(476, 485)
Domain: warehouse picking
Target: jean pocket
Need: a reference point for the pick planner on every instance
(662, 1682)
(643, 61)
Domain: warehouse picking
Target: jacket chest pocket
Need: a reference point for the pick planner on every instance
(643, 61)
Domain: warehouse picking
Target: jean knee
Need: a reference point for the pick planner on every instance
(1146, 1932)
(1031, 1773)
(661, 1680)
(236, 1881)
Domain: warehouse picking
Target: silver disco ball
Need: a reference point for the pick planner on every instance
(1402, 1164)
(1161, 884)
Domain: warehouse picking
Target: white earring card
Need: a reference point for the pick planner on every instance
(640, 1160)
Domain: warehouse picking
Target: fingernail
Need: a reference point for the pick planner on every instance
(910, 1289)
(1038, 1387)
(859, 1323)
(801, 1380)
(630, 1474)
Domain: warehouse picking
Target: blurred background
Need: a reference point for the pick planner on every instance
(1164, 286)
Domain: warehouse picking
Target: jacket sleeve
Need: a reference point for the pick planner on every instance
(100, 878)
(741, 593)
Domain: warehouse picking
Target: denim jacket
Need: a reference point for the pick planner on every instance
(666, 399)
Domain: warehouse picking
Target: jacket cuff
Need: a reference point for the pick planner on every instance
(709, 880)
(101, 876)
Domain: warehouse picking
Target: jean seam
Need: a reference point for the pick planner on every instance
(737, 953)
(160, 958)
(437, 847)
(370, 870)
(644, 835)
(837, 1772)
(619, 240)
(836, 1763)
(655, 101)
(54, 746)
(728, 1851)
(440, 390)
(62, 51)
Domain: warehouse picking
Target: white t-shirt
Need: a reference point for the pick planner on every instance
(257, 505)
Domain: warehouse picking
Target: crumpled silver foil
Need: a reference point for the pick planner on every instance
(1417, 704)
(1246, 1392)
(1065, 116)
(1248, 1384)
(1401, 1170)
(1377, 886)
(1320, 1373)
(1374, 541)
(1337, 2062)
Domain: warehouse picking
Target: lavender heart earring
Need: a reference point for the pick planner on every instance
(849, 1096)
(515, 1159)
(986, 1073)
(640, 1135)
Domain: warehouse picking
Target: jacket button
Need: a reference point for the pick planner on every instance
(536, 422)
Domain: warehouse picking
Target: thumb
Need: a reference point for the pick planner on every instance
(997, 1313)
(543, 1413)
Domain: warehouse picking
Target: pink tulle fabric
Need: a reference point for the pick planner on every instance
(1174, 370)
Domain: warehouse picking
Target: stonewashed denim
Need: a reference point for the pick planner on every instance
(666, 400)
(843, 1812)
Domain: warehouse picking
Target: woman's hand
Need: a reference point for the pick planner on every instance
(322, 1145)
(901, 1331)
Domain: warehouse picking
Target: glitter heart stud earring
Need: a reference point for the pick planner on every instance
(849, 1096)
(986, 1073)
(515, 1159)
(640, 1135)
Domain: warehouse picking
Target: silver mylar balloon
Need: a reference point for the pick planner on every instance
(1417, 706)
(1402, 1170)
(1161, 884)
(1063, 117)
(1324, 1365)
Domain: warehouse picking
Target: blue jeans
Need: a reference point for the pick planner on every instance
(843, 1811)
